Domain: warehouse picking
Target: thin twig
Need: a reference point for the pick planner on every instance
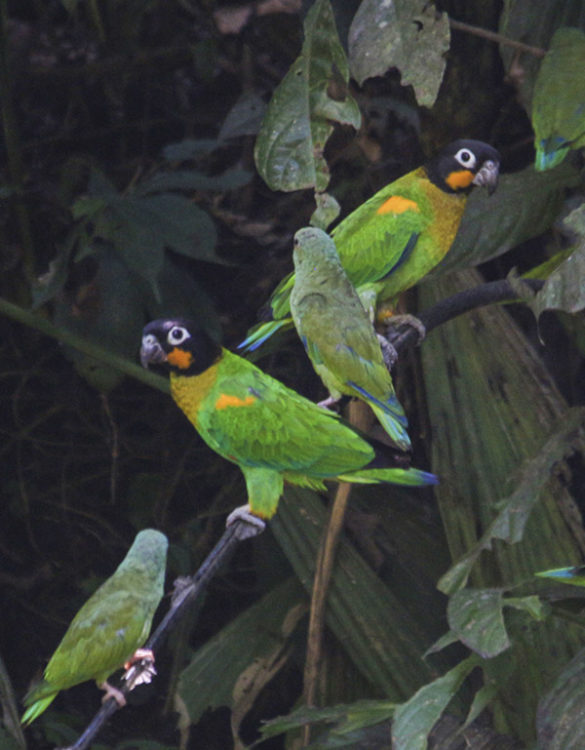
(189, 592)
(493, 36)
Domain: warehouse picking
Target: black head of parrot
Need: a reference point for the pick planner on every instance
(463, 164)
(179, 345)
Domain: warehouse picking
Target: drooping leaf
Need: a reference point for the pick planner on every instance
(414, 719)
(312, 95)
(489, 228)
(211, 677)
(403, 34)
(475, 615)
(565, 287)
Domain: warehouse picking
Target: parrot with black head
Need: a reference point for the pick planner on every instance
(253, 420)
(394, 239)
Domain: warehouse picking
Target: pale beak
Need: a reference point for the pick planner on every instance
(488, 175)
(151, 352)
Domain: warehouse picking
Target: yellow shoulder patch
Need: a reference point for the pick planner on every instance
(398, 205)
(180, 358)
(225, 401)
(460, 178)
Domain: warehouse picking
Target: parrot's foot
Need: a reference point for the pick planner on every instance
(389, 353)
(328, 402)
(112, 692)
(251, 525)
(410, 321)
(140, 668)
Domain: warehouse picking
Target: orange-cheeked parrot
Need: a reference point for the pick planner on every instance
(558, 103)
(112, 624)
(395, 238)
(271, 432)
(338, 334)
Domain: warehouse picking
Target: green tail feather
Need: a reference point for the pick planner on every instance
(405, 477)
(37, 708)
(262, 332)
(392, 427)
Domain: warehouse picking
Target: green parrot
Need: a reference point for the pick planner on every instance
(271, 432)
(337, 333)
(558, 103)
(112, 624)
(395, 238)
(574, 575)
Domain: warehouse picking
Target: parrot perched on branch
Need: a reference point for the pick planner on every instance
(395, 238)
(337, 333)
(558, 104)
(112, 624)
(271, 432)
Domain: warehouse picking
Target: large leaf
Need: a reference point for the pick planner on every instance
(565, 287)
(493, 406)
(475, 616)
(377, 631)
(406, 34)
(312, 95)
(525, 205)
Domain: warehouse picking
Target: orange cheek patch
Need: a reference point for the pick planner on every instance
(225, 401)
(460, 179)
(398, 205)
(180, 358)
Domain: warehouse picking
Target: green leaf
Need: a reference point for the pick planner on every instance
(489, 228)
(312, 95)
(565, 287)
(414, 719)
(530, 604)
(403, 34)
(475, 616)
(326, 212)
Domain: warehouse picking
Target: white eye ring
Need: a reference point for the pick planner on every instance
(177, 335)
(466, 158)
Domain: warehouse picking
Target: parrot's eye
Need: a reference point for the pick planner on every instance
(177, 335)
(466, 158)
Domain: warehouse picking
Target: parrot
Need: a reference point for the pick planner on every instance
(269, 431)
(558, 104)
(337, 333)
(400, 234)
(109, 628)
(575, 575)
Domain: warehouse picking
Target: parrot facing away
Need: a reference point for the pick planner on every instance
(112, 624)
(337, 333)
(400, 234)
(574, 575)
(558, 104)
(271, 432)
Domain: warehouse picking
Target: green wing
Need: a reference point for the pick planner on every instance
(381, 234)
(256, 421)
